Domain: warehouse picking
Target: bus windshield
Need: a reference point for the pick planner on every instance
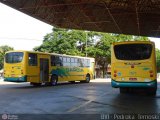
(14, 57)
(133, 51)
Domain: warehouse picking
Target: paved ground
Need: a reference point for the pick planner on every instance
(96, 97)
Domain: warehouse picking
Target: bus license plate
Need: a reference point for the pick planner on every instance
(133, 79)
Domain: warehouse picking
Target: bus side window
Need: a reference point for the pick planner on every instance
(68, 61)
(32, 59)
(76, 62)
(64, 61)
(58, 61)
(87, 63)
(72, 62)
(52, 60)
(80, 64)
(61, 61)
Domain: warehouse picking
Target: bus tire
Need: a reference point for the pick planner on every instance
(36, 84)
(72, 82)
(87, 78)
(123, 90)
(54, 80)
(152, 91)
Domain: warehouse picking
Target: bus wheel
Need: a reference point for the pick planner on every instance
(54, 80)
(87, 78)
(36, 84)
(123, 90)
(72, 81)
(151, 91)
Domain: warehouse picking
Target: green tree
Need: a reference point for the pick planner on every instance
(122, 37)
(3, 50)
(158, 59)
(77, 42)
(101, 51)
(61, 41)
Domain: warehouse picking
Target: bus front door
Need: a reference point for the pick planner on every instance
(44, 70)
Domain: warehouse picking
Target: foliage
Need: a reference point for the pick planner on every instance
(101, 51)
(158, 59)
(3, 50)
(61, 41)
(73, 42)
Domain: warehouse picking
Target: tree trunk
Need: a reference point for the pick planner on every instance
(103, 72)
(104, 69)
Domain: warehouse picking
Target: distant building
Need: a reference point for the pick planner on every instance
(99, 71)
(1, 73)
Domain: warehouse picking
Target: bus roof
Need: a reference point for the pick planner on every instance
(45, 53)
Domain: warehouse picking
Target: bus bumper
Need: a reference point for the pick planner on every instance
(116, 84)
(16, 79)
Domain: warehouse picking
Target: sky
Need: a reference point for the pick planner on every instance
(23, 32)
(19, 30)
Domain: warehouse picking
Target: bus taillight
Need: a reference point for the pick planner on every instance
(115, 73)
(151, 73)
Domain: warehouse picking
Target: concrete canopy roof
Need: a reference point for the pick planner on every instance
(134, 17)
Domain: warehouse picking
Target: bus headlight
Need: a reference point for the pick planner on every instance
(123, 78)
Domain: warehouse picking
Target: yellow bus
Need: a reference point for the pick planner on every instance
(133, 66)
(38, 68)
